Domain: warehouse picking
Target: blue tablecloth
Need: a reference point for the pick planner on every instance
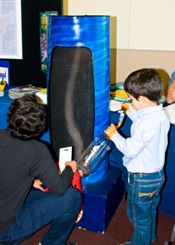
(4, 105)
(167, 204)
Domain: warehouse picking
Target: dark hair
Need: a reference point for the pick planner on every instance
(26, 117)
(144, 82)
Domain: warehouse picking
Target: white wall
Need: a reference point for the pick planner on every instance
(152, 24)
(143, 35)
(141, 24)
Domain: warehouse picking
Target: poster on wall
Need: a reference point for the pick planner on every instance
(10, 29)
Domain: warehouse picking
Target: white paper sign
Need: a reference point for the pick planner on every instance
(65, 154)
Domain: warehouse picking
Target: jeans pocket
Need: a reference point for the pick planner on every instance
(147, 191)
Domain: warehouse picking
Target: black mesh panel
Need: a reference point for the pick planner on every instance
(71, 99)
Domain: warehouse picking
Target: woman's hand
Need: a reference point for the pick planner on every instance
(72, 164)
(38, 185)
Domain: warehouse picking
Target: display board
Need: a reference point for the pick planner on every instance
(11, 29)
(28, 69)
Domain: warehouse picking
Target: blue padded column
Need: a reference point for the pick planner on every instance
(90, 33)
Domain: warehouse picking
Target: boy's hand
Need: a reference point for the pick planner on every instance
(111, 130)
(72, 164)
(124, 106)
(130, 108)
(38, 185)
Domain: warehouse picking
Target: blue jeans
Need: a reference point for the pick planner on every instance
(142, 201)
(40, 209)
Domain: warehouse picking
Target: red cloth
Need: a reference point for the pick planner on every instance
(76, 181)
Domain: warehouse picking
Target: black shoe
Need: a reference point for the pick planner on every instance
(69, 243)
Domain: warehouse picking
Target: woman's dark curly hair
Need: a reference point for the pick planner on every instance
(26, 117)
(144, 82)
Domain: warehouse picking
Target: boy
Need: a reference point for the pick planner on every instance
(144, 152)
(23, 158)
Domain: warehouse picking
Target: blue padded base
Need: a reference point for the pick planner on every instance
(101, 199)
